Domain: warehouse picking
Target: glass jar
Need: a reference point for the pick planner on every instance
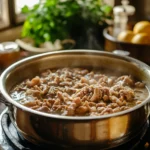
(9, 53)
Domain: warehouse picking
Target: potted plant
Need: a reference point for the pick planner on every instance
(80, 20)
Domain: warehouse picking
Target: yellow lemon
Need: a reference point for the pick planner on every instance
(142, 27)
(125, 36)
(141, 38)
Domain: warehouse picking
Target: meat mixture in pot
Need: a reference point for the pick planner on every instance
(79, 92)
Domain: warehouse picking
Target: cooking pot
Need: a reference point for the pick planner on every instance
(106, 131)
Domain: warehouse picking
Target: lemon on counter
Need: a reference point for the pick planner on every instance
(142, 27)
(141, 38)
(125, 36)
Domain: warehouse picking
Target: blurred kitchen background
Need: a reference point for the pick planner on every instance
(11, 16)
(87, 24)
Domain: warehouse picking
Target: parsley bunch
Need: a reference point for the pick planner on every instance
(57, 19)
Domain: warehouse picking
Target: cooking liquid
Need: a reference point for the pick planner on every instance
(140, 93)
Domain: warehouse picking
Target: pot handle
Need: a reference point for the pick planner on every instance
(121, 52)
(3, 100)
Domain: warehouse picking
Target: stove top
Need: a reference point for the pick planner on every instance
(10, 139)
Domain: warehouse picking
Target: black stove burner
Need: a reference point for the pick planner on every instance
(12, 140)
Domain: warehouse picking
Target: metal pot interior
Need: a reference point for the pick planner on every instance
(31, 66)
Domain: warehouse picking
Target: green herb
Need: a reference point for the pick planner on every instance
(57, 19)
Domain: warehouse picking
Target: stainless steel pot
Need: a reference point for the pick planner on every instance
(106, 131)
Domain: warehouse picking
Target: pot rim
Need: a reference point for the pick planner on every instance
(24, 108)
